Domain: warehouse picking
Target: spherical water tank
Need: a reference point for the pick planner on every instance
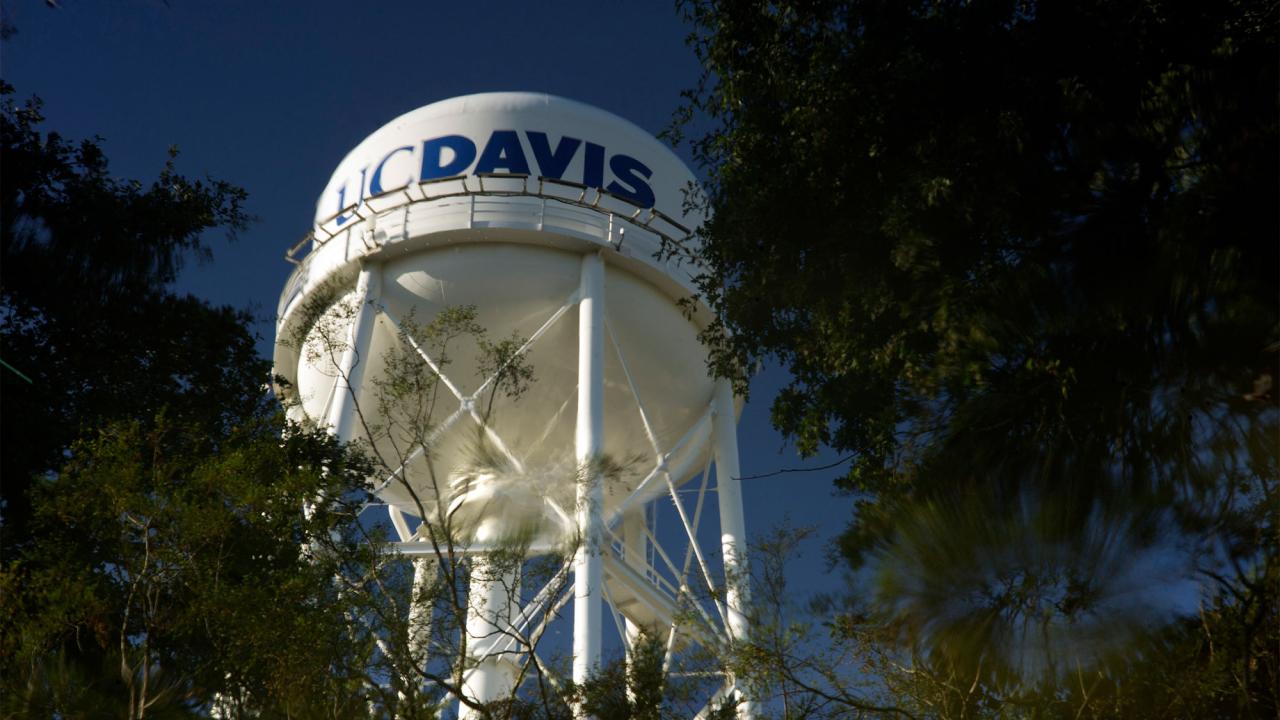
(485, 205)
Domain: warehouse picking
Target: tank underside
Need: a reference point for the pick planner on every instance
(437, 403)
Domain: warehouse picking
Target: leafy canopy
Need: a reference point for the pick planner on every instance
(1020, 259)
(88, 318)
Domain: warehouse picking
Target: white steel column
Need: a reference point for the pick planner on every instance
(634, 542)
(588, 572)
(420, 610)
(342, 410)
(420, 607)
(733, 535)
(340, 420)
(634, 546)
(492, 677)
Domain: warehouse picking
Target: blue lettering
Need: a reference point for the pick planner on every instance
(503, 151)
(342, 198)
(375, 182)
(464, 151)
(593, 166)
(452, 155)
(629, 183)
(551, 163)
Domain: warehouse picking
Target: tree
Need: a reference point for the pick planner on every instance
(1021, 261)
(153, 495)
(834, 656)
(175, 573)
(480, 508)
(89, 321)
(174, 547)
(157, 546)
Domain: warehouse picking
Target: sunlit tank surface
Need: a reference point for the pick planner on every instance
(504, 231)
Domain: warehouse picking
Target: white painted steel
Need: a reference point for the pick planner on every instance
(398, 522)
(588, 566)
(517, 288)
(634, 553)
(490, 609)
(733, 536)
(351, 366)
(420, 611)
(476, 117)
(524, 251)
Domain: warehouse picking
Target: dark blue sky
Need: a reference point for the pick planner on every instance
(271, 96)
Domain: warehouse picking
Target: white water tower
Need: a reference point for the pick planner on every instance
(545, 216)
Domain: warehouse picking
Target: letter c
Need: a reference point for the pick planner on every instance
(375, 183)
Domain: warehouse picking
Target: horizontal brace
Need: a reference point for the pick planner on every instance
(424, 549)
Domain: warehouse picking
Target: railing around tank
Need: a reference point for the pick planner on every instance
(552, 205)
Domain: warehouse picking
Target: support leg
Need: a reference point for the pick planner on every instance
(343, 418)
(733, 536)
(424, 572)
(633, 537)
(588, 442)
(635, 545)
(342, 409)
(490, 607)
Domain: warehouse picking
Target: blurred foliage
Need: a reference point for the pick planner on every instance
(833, 656)
(1021, 261)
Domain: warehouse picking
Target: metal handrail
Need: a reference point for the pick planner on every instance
(291, 255)
(651, 574)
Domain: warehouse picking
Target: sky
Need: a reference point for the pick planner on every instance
(271, 95)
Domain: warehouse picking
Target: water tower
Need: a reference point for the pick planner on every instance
(542, 218)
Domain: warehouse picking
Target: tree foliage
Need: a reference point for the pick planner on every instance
(834, 656)
(175, 548)
(88, 317)
(157, 557)
(1020, 259)
(175, 571)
